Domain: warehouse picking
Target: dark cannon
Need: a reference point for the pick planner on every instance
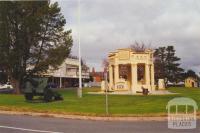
(40, 87)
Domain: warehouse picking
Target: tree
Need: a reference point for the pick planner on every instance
(167, 65)
(140, 47)
(159, 61)
(32, 38)
(191, 73)
(105, 63)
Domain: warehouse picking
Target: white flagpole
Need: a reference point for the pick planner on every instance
(79, 52)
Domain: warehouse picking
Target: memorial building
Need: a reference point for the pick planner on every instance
(130, 70)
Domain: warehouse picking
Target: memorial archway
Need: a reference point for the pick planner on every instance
(130, 70)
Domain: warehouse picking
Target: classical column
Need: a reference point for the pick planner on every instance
(152, 77)
(134, 77)
(116, 74)
(147, 75)
(111, 76)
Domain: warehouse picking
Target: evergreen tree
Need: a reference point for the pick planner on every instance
(167, 65)
(191, 73)
(32, 38)
(159, 60)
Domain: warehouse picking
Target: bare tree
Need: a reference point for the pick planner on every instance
(105, 63)
(140, 47)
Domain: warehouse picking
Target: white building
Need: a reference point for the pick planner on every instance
(67, 75)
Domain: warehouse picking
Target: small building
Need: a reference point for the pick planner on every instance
(96, 76)
(191, 82)
(130, 70)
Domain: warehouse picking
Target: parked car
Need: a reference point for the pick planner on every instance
(6, 88)
(77, 85)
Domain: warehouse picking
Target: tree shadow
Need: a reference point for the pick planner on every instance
(36, 100)
(41, 100)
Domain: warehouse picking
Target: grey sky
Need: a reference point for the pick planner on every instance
(110, 24)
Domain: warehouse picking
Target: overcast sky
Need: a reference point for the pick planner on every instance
(110, 24)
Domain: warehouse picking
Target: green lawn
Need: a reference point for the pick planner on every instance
(90, 104)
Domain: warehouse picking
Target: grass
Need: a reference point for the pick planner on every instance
(90, 104)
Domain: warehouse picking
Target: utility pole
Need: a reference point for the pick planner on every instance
(79, 53)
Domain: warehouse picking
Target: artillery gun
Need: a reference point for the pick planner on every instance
(40, 87)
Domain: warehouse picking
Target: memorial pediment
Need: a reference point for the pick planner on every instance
(124, 55)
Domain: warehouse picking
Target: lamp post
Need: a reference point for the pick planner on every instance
(79, 53)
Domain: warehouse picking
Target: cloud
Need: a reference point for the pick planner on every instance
(110, 24)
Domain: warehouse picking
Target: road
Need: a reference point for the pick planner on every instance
(30, 124)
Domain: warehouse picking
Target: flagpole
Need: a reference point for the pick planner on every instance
(79, 53)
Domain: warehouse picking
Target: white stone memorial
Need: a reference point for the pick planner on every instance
(103, 85)
(161, 84)
(136, 68)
